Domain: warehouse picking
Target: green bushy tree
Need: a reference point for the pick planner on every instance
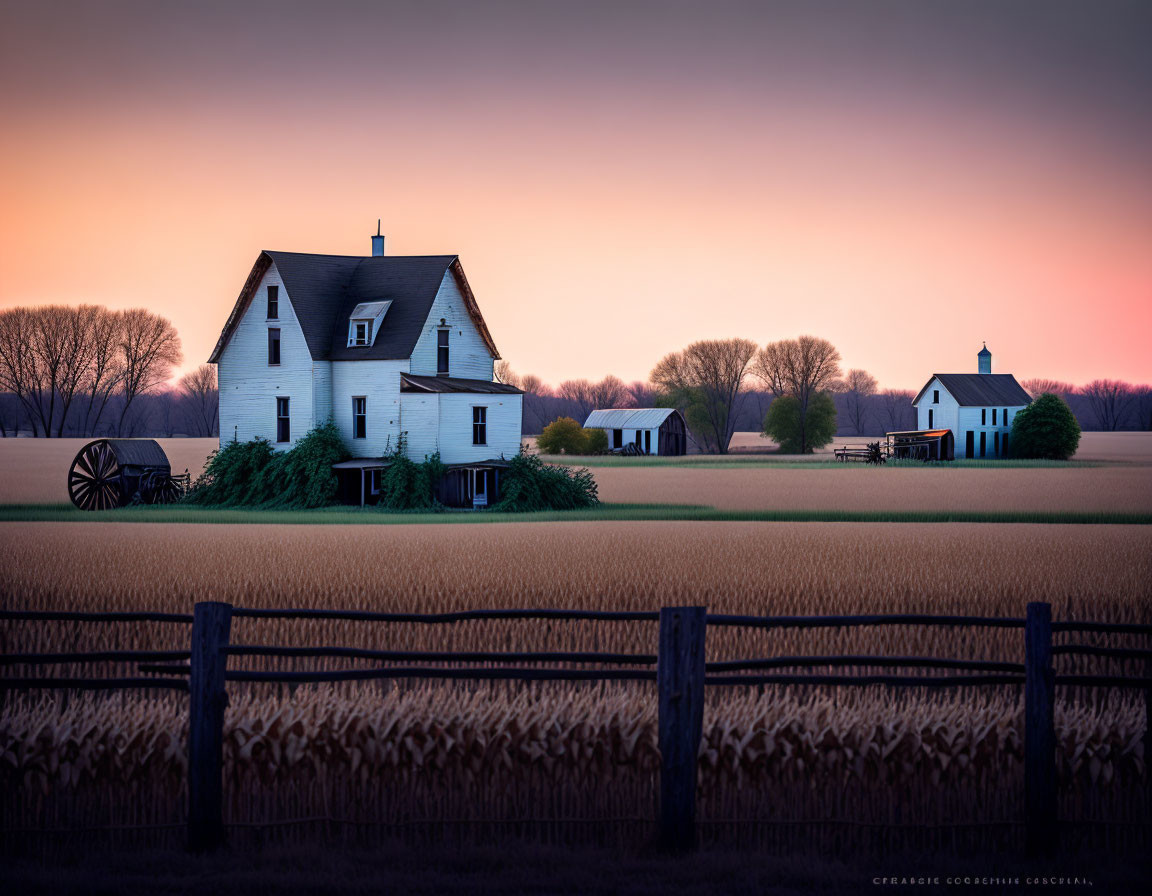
(1047, 428)
(595, 441)
(562, 436)
(797, 432)
(529, 484)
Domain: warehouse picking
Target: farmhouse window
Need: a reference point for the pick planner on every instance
(273, 345)
(442, 353)
(360, 332)
(479, 426)
(935, 396)
(359, 417)
(930, 418)
(983, 443)
(647, 441)
(983, 416)
(993, 416)
(1005, 417)
(283, 429)
(273, 302)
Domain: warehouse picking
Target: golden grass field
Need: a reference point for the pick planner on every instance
(451, 758)
(35, 471)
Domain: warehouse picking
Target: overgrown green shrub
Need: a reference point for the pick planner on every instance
(595, 441)
(249, 474)
(562, 436)
(529, 484)
(407, 485)
(1047, 429)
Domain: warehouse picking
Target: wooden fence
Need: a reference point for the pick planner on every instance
(681, 673)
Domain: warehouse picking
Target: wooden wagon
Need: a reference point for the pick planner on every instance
(110, 473)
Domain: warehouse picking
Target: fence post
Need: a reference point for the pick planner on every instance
(211, 624)
(680, 680)
(1039, 732)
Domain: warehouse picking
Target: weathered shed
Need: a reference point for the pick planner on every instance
(653, 430)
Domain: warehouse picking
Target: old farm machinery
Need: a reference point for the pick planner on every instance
(109, 473)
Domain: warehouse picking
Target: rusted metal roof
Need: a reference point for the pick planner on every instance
(410, 382)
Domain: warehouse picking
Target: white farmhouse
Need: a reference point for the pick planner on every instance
(392, 348)
(977, 407)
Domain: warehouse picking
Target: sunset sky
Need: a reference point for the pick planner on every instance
(906, 179)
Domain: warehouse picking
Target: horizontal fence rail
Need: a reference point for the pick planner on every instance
(679, 668)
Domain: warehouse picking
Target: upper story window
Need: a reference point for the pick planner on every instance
(283, 427)
(273, 345)
(993, 416)
(360, 330)
(935, 396)
(983, 418)
(359, 417)
(273, 302)
(479, 426)
(1005, 417)
(442, 355)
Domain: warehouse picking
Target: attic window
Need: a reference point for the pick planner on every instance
(364, 322)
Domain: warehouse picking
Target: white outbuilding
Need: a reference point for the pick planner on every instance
(652, 430)
(978, 408)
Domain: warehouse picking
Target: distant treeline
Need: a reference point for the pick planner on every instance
(92, 371)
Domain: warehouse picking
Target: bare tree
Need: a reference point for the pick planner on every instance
(579, 392)
(1109, 400)
(150, 348)
(18, 365)
(610, 392)
(897, 405)
(1037, 386)
(106, 367)
(705, 380)
(801, 368)
(502, 371)
(203, 396)
(1143, 403)
(858, 386)
(643, 394)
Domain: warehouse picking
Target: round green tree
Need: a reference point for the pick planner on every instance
(1047, 429)
(797, 431)
(562, 436)
(595, 441)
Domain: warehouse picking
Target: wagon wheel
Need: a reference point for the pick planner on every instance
(94, 478)
(166, 490)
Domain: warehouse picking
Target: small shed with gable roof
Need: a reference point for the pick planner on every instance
(659, 431)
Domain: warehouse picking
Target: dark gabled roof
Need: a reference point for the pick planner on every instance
(980, 389)
(323, 290)
(410, 382)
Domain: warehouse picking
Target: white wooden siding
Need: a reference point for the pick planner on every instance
(443, 422)
(420, 422)
(962, 420)
(249, 387)
(379, 383)
(468, 356)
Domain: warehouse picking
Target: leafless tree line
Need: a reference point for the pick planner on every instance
(86, 370)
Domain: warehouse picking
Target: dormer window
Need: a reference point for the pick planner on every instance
(364, 323)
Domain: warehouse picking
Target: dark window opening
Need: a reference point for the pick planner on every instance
(359, 417)
(996, 441)
(930, 415)
(993, 416)
(360, 336)
(273, 302)
(441, 353)
(1005, 417)
(935, 396)
(617, 438)
(983, 416)
(983, 443)
(283, 429)
(969, 444)
(647, 441)
(273, 345)
(479, 426)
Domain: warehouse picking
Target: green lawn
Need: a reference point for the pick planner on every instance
(66, 513)
(790, 462)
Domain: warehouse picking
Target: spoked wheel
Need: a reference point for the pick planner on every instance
(94, 478)
(163, 489)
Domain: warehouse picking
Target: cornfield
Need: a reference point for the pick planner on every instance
(781, 767)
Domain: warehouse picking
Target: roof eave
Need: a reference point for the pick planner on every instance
(473, 308)
(259, 269)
